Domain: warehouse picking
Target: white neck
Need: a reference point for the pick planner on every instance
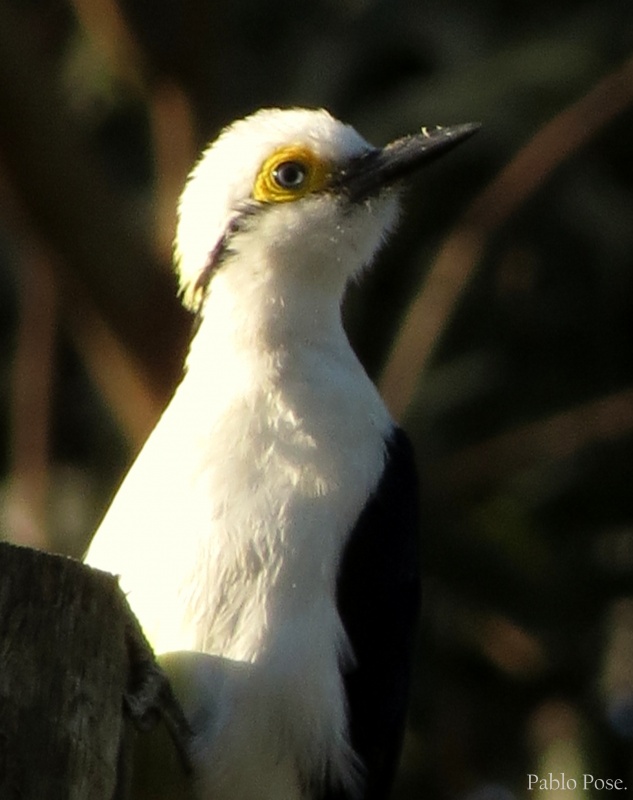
(251, 306)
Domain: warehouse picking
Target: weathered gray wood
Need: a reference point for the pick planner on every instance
(73, 663)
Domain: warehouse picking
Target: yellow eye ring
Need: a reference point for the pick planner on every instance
(288, 174)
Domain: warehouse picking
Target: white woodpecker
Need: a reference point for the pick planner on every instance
(270, 520)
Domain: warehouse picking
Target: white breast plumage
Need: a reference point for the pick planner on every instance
(233, 519)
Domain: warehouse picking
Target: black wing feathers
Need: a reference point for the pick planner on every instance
(378, 600)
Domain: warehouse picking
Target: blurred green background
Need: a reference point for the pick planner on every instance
(497, 322)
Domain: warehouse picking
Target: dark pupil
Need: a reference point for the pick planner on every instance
(290, 174)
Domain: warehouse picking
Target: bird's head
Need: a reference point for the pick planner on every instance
(294, 192)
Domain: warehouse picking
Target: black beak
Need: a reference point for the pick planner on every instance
(368, 174)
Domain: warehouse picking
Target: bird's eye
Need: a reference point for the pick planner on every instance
(290, 174)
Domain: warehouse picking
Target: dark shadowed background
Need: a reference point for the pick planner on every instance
(497, 322)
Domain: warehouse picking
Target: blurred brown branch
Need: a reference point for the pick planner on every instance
(88, 224)
(432, 308)
(104, 22)
(555, 437)
(172, 121)
(25, 506)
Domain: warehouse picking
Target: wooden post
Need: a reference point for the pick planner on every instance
(73, 666)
